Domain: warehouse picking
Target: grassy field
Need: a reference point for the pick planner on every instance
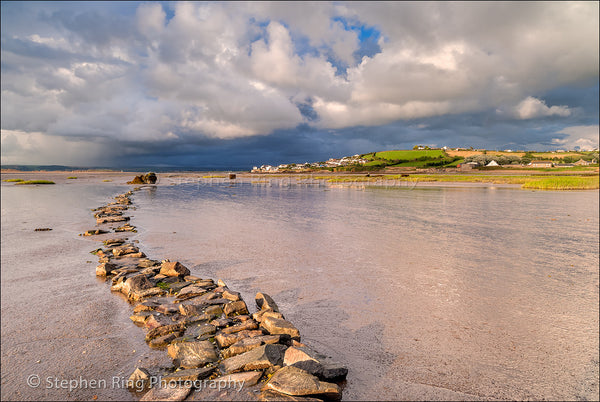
(537, 155)
(526, 182)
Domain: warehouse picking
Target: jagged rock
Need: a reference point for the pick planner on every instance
(122, 250)
(146, 306)
(256, 359)
(164, 330)
(278, 326)
(169, 268)
(167, 309)
(192, 291)
(94, 232)
(200, 330)
(191, 278)
(139, 295)
(265, 302)
(262, 314)
(104, 269)
(192, 354)
(236, 307)
(164, 340)
(225, 340)
(113, 242)
(160, 393)
(139, 379)
(147, 263)
(186, 375)
(230, 295)
(248, 344)
(247, 325)
(291, 380)
(136, 283)
(125, 228)
(247, 378)
(192, 309)
(141, 317)
(221, 283)
(112, 219)
(221, 322)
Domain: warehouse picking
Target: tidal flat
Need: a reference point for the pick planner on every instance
(445, 292)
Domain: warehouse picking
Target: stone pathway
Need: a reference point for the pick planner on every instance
(220, 350)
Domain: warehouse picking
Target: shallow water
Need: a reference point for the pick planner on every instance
(429, 293)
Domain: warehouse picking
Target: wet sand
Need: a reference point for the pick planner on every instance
(59, 322)
(55, 311)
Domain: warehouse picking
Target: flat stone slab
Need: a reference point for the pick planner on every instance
(259, 358)
(278, 326)
(192, 354)
(244, 379)
(225, 340)
(235, 308)
(248, 344)
(246, 325)
(186, 375)
(293, 381)
(160, 393)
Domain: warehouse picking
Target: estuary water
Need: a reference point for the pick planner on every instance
(424, 293)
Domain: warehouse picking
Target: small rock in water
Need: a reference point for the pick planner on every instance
(139, 380)
(42, 229)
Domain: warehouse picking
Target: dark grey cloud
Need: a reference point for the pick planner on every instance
(246, 83)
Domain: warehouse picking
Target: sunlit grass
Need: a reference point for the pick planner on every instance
(527, 182)
(72, 177)
(14, 180)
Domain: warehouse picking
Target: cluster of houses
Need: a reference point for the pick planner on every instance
(533, 164)
(345, 161)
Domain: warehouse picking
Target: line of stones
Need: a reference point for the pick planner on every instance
(207, 328)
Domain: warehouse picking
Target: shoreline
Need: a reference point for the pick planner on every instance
(546, 181)
(206, 328)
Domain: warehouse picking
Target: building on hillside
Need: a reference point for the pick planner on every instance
(467, 166)
(581, 162)
(492, 163)
(541, 164)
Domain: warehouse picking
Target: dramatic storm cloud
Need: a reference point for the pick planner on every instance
(237, 84)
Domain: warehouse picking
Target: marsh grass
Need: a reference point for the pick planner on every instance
(14, 180)
(36, 182)
(72, 177)
(526, 182)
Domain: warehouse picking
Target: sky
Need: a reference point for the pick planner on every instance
(248, 83)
